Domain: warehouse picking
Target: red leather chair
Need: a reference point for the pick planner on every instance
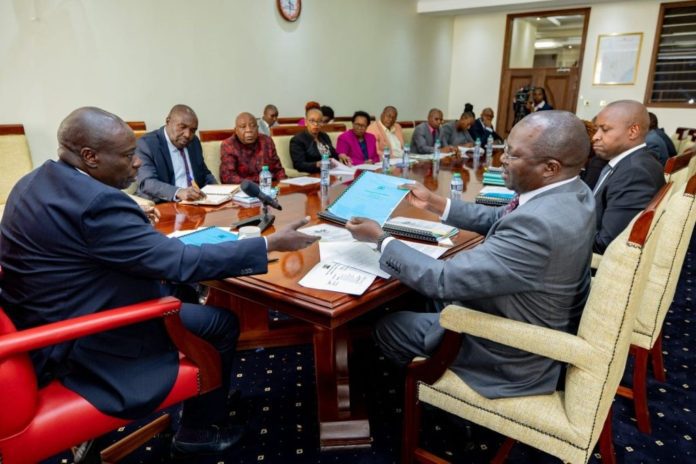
(36, 423)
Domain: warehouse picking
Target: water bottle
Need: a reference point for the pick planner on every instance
(489, 151)
(477, 150)
(436, 157)
(456, 186)
(266, 181)
(405, 158)
(324, 179)
(385, 160)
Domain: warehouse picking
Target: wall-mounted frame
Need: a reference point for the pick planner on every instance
(616, 60)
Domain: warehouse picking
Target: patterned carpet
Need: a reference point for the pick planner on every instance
(279, 409)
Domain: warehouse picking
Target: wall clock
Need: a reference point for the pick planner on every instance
(289, 9)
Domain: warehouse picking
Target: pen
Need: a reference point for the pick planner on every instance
(272, 260)
(194, 184)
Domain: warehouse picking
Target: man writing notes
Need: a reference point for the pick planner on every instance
(456, 133)
(72, 243)
(534, 265)
(633, 175)
(173, 168)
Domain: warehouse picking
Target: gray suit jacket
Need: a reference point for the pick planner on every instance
(422, 141)
(534, 266)
(452, 136)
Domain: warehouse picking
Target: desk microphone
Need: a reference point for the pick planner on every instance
(253, 190)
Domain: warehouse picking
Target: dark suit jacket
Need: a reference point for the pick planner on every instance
(69, 246)
(534, 266)
(304, 151)
(671, 149)
(545, 107)
(156, 175)
(478, 131)
(625, 192)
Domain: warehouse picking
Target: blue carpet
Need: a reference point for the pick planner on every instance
(278, 407)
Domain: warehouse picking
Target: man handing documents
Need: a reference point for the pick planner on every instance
(534, 265)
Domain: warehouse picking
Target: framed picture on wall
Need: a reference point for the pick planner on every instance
(616, 61)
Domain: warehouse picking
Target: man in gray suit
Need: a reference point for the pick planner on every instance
(534, 265)
(426, 133)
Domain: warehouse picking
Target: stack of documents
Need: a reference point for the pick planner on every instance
(215, 194)
(493, 177)
(246, 200)
(495, 196)
(301, 181)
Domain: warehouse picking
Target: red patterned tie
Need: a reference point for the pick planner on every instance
(186, 167)
(510, 207)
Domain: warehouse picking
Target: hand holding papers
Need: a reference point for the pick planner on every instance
(214, 194)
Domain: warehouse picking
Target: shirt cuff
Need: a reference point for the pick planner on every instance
(445, 213)
(175, 193)
(386, 242)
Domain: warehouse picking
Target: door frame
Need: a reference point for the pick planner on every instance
(500, 123)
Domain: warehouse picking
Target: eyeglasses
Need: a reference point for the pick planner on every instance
(314, 122)
(357, 124)
(506, 154)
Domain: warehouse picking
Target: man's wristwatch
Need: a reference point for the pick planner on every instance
(381, 239)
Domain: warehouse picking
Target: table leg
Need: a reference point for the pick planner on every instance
(342, 420)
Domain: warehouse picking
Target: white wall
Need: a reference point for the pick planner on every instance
(522, 44)
(628, 16)
(477, 50)
(477, 57)
(138, 58)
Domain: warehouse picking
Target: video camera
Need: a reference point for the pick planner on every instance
(519, 103)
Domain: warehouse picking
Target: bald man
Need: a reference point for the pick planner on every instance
(173, 168)
(243, 155)
(483, 128)
(72, 243)
(632, 176)
(427, 133)
(534, 265)
(268, 120)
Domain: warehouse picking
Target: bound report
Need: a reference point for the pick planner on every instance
(420, 229)
(372, 195)
(215, 194)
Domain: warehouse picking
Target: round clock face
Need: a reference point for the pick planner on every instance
(290, 9)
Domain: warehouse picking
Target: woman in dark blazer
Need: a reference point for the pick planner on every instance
(307, 147)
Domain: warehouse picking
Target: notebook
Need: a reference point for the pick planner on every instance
(208, 235)
(494, 196)
(419, 229)
(215, 194)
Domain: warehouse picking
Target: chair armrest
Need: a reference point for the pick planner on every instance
(15, 343)
(596, 259)
(549, 343)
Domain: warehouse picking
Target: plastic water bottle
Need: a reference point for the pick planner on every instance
(405, 158)
(456, 186)
(266, 181)
(385, 160)
(477, 150)
(489, 151)
(324, 179)
(436, 157)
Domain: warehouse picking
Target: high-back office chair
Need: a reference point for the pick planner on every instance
(15, 159)
(137, 125)
(210, 143)
(37, 423)
(566, 424)
(673, 236)
(281, 136)
(677, 170)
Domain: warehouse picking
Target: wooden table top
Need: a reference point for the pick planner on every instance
(279, 288)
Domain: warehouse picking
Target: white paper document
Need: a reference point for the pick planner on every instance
(368, 167)
(220, 189)
(433, 251)
(357, 255)
(328, 233)
(301, 181)
(338, 278)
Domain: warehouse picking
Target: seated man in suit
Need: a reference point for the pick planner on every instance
(268, 120)
(534, 265)
(72, 243)
(664, 146)
(388, 132)
(632, 175)
(482, 128)
(243, 155)
(538, 101)
(426, 133)
(173, 168)
(456, 133)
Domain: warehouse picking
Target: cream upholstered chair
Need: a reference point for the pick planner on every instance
(566, 424)
(673, 235)
(677, 169)
(15, 159)
(210, 143)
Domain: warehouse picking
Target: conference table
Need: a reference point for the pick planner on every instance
(318, 316)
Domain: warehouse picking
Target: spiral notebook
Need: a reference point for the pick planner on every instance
(371, 195)
(420, 229)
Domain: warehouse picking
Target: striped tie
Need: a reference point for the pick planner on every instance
(510, 207)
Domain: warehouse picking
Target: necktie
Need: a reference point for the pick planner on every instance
(186, 167)
(510, 207)
(606, 170)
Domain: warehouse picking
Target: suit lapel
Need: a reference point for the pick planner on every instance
(164, 153)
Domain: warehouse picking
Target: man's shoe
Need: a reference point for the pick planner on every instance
(202, 441)
(87, 452)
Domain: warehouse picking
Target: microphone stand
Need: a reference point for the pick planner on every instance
(263, 221)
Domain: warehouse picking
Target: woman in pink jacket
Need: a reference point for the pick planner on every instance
(356, 143)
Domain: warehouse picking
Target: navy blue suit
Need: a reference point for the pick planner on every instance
(478, 131)
(71, 245)
(156, 180)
